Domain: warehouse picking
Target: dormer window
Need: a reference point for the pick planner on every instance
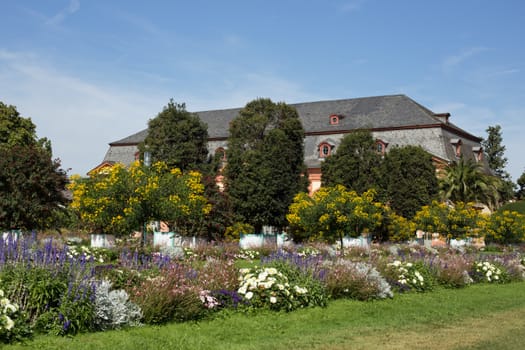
(334, 119)
(381, 146)
(478, 153)
(456, 143)
(325, 149)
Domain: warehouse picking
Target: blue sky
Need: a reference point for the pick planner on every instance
(92, 72)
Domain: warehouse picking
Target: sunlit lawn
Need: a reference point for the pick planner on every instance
(476, 317)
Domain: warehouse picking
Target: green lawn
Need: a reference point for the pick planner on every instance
(518, 206)
(476, 317)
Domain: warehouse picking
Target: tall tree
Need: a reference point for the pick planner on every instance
(265, 162)
(177, 137)
(31, 183)
(355, 163)
(495, 150)
(409, 179)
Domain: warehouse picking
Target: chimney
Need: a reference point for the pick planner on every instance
(443, 117)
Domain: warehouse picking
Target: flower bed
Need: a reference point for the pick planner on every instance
(52, 288)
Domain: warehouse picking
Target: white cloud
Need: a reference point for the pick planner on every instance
(455, 60)
(352, 5)
(79, 117)
(73, 6)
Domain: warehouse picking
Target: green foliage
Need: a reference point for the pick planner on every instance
(265, 162)
(31, 183)
(177, 137)
(518, 206)
(464, 181)
(16, 130)
(36, 290)
(355, 164)
(409, 179)
(495, 150)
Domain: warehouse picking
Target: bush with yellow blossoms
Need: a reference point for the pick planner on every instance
(505, 227)
(460, 221)
(333, 213)
(121, 199)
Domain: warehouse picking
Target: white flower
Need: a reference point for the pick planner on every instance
(242, 290)
(273, 300)
(9, 324)
(271, 271)
(249, 295)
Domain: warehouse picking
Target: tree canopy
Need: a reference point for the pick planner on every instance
(177, 137)
(409, 179)
(265, 162)
(355, 163)
(31, 183)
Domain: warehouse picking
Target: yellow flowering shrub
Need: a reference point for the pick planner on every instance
(332, 213)
(462, 220)
(505, 227)
(121, 199)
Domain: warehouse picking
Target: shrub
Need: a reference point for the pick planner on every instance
(486, 271)
(171, 296)
(505, 227)
(13, 326)
(355, 280)
(408, 276)
(113, 309)
(269, 288)
(452, 271)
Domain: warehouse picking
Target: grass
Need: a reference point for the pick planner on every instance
(477, 317)
(518, 206)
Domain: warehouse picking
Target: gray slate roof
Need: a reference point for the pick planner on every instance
(379, 112)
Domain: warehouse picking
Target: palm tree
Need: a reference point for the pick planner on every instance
(465, 181)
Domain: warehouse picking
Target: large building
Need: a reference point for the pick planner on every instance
(395, 120)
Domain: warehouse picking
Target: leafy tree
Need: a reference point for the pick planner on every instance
(355, 163)
(464, 181)
(409, 179)
(177, 137)
(31, 188)
(521, 183)
(265, 162)
(31, 182)
(334, 212)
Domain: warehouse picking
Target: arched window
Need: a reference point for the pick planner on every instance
(381, 146)
(325, 149)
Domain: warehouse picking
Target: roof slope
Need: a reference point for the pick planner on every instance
(391, 111)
